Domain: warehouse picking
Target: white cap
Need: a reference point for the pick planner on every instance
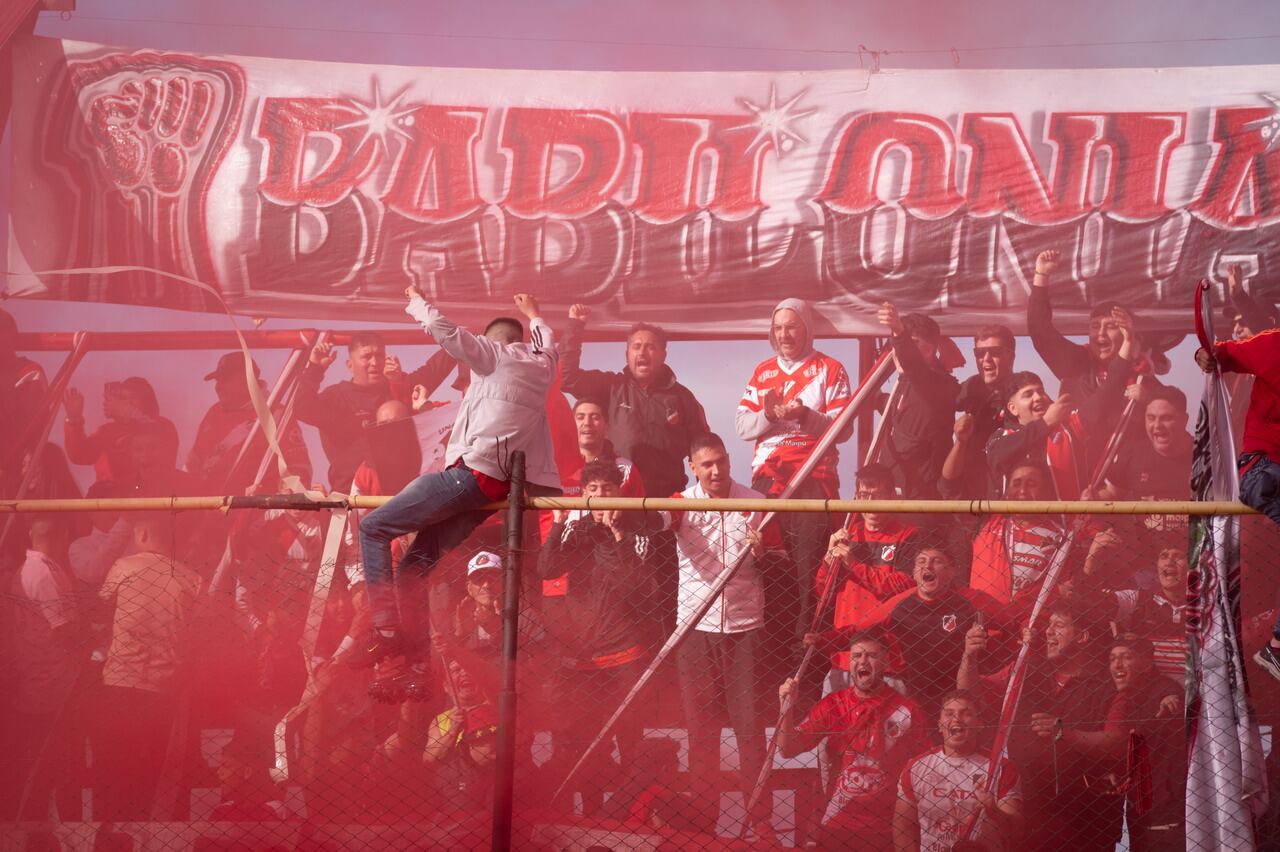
(484, 561)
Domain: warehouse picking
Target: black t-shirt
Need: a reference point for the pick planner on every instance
(1144, 474)
(344, 409)
(930, 637)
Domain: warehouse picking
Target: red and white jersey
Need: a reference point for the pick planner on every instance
(822, 385)
(1030, 546)
(708, 544)
(941, 788)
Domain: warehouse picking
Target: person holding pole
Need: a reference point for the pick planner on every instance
(872, 731)
(226, 425)
(922, 424)
(1259, 462)
(940, 790)
(789, 401)
(717, 663)
(502, 412)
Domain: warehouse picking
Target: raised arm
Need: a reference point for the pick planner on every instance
(433, 373)
(307, 405)
(478, 353)
(1064, 358)
(574, 379)
(552, 561)
(80, 448)
(792, 740)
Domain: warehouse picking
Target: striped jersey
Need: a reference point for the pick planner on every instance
(821, 384)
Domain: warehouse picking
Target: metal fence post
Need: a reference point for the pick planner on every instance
(505, 763)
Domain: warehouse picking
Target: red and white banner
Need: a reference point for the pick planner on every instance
(323, 190)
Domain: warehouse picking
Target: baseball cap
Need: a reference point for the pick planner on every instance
(484, 561)
(232, 364)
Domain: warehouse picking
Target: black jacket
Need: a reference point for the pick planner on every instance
(610, 588)
(652, 427)
(342, 410)
(921, 427)
(1076, 813)
(985, 405)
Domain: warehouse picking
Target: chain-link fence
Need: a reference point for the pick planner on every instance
(205, 681)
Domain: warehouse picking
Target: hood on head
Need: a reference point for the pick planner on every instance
(805, 312)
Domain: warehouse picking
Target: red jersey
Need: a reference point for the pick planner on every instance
(821, 384)
(1258, 356)
(872, 575)
(872, 739)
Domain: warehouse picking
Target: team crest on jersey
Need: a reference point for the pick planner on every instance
(949, 623)
(888, 552)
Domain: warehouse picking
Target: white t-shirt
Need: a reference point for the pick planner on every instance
(941, 788)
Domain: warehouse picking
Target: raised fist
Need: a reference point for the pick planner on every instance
(147, 132)
(527, 305)
(579, 312)
(1046, 261)
(888, 317)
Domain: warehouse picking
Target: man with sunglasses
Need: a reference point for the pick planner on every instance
(965, 473)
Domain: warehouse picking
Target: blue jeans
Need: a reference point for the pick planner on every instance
(442, 509)
(1260, 489)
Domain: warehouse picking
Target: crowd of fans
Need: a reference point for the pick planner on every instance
(132, 633)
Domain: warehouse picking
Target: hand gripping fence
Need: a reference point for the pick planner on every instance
(872, 381)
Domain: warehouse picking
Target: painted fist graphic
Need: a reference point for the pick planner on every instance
(151, 129)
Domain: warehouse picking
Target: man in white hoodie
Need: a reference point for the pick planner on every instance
(502, 412)
(788, 404)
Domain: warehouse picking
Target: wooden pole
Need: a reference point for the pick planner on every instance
(657, 504)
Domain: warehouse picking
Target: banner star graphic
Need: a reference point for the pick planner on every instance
(379, 120)
(772, 122)
(1268, 128)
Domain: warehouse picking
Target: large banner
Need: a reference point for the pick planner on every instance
(694, 199)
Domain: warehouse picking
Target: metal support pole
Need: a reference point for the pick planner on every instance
(53, 400)
(505, 761)
(286, 419)
(866, 419)
(283, 384)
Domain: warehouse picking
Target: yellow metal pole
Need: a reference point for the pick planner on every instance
(654, 504)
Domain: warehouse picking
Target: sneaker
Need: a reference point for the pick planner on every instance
(374, 647)
(407, 683)
(1269, 659)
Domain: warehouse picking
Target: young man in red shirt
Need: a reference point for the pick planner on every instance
(871, 730)
(871, 560)
(1259, 461)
